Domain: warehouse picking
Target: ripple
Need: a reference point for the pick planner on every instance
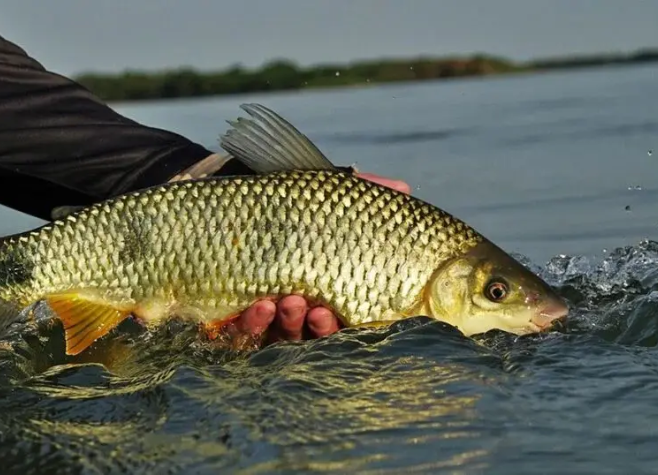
(390, 138)
(417, 397)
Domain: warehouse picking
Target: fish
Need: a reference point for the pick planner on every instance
(206, 249)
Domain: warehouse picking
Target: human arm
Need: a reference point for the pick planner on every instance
(60, 140)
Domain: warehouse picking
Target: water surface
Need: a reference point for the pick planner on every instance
(540, 164)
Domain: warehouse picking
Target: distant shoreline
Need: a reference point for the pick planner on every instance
(284, 75)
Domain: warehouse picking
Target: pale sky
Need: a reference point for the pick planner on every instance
(70, 36)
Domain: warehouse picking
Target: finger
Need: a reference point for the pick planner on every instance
(394, 184)
(256, 318)
(321, 322)
(290, 315)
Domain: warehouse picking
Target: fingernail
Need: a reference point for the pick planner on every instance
(263, 312)
(402, 186)
(292, 311)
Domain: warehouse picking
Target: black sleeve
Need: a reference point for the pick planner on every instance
(61, 143)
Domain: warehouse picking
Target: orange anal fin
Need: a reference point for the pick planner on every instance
(215, 328)
(85, 318)
(226, 333)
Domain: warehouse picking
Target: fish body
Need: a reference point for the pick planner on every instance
(217, 245)
(207, 249)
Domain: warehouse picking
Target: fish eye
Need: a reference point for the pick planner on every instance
(496, 290)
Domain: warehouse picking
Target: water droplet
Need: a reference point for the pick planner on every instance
(638, 187)
(605, 251)
(418, 188)
(628, 207)
(337, 73)
(368, 80)
(650, 152)
(411, 67)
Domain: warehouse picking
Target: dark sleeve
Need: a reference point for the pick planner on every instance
(61, 143)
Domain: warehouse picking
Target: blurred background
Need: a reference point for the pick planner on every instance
(535, 122)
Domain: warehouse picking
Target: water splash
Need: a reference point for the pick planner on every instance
(416, 397)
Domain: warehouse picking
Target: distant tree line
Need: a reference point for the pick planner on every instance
(280, 75)
(642, 56)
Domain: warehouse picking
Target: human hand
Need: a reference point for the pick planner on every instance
(291, 318)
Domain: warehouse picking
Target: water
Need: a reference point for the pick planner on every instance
(556, 168)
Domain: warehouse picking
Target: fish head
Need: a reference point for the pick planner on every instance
(486, 289)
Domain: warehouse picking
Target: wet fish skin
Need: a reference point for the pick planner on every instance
(219, 244)
(207, 249)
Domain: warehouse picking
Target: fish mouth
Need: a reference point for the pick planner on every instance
(550, 316)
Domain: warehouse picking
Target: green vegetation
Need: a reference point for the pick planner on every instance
(280, 75)
(642, 56)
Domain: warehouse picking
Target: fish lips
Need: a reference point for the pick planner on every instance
(550, 316)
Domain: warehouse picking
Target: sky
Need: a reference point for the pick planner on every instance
(72, 36)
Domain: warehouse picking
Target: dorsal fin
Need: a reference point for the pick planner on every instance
(269, 143)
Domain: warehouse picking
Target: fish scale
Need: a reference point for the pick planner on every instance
(190, 247)
(211, 247)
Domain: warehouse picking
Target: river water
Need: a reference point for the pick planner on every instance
(560, 169)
